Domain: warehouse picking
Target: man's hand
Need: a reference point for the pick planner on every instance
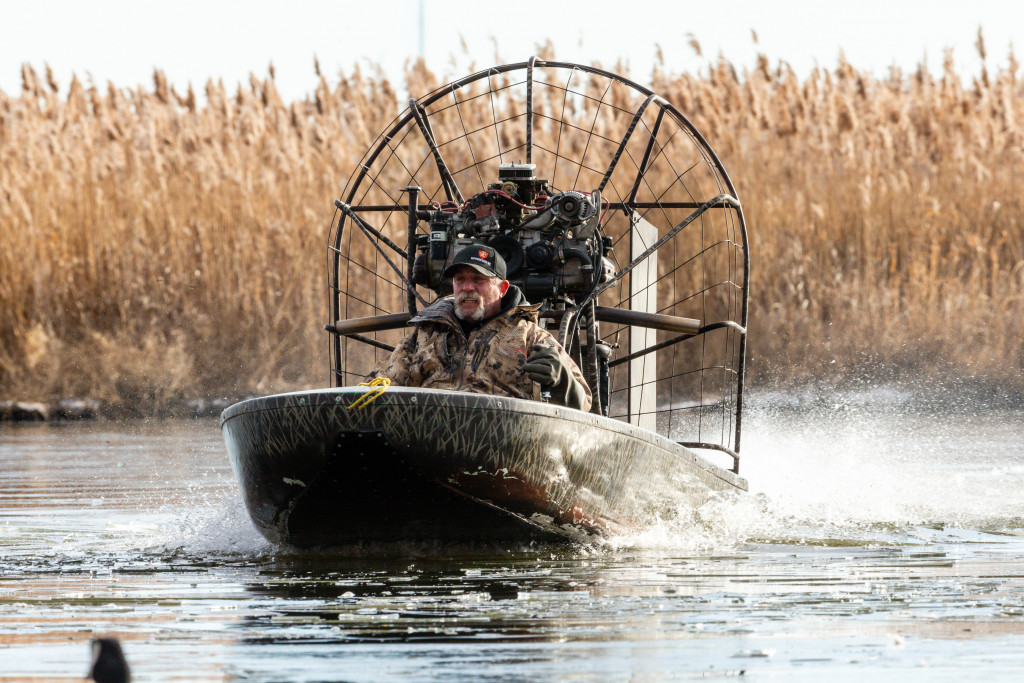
(545, 366)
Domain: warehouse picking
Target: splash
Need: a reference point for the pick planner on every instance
(862, 468)
(220, 529)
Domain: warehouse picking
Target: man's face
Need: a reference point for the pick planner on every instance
(477, 296)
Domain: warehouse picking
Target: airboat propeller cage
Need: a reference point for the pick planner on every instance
(609, 208)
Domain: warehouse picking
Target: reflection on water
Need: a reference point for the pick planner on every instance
(872, 543)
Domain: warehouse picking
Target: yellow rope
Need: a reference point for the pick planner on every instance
(379, 384)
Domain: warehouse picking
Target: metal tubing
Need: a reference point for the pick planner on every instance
(655, 321)
(334, 259)
(358, 337)
(625, 140)
(715, 447)
(450, 188)
(647, 157)
(372, 342)
(649, 349)
(676, 340)
(590, 320)
(367, 229)
(611, 206)
(414, 200)
(529, 109)
(350, 211)
(373, 323)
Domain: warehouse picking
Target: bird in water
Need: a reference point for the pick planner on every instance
(108, 662)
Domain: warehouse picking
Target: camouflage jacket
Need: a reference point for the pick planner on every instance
(439, 355)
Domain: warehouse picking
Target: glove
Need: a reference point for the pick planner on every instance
(544, 366)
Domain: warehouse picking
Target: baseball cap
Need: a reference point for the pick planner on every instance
(481, 258)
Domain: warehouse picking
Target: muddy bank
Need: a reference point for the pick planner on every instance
(69, 409)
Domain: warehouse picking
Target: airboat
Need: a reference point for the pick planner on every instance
(613, 212)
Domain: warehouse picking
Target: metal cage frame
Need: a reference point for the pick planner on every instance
(416, 120)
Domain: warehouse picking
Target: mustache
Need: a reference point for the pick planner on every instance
(467, 296)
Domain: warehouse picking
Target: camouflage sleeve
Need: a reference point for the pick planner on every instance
(542, 336)
(397, 367)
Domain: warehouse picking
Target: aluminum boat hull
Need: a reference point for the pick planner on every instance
(438, 465)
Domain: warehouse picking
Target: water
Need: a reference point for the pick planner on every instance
(878, 540)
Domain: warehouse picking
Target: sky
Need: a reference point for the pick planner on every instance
(123, 41)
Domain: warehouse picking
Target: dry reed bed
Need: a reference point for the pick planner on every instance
(157, 248)
(886, 217)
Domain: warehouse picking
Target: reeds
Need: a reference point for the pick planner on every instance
(159, 247)
(887, 226)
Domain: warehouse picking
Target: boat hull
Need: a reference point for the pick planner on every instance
(439, 465)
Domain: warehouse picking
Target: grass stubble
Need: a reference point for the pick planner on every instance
(156, 248)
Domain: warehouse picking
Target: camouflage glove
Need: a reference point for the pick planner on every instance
(545, 367)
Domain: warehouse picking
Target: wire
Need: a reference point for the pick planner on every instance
(506, 195)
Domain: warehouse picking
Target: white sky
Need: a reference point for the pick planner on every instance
(192, 40)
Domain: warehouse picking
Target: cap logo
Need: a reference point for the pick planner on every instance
(482, 257)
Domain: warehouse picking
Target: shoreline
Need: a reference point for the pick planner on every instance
(954, 395)
(79, 409)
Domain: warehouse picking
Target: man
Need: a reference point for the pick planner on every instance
(484, 339)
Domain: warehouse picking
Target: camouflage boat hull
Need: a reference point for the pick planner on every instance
(439, 465)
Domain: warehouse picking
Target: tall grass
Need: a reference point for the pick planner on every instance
(887, 222)
(158, 244)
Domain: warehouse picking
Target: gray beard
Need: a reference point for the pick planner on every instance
(476, 316)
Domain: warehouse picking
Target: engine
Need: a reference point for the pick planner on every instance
(550, 241)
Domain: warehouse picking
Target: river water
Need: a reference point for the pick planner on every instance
(880, 539)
